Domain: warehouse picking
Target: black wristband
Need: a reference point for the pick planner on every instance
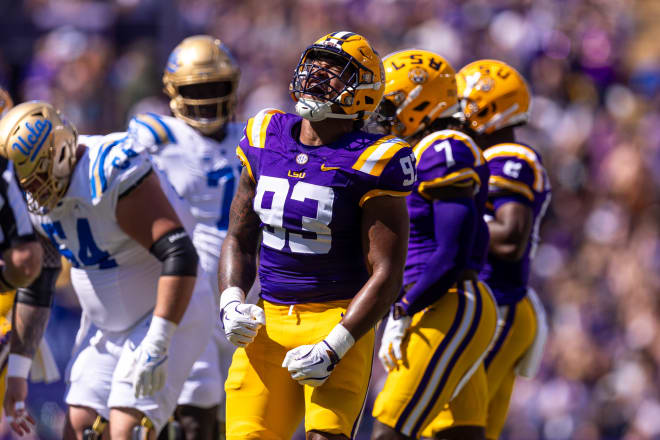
(176, 251)
(40, 292)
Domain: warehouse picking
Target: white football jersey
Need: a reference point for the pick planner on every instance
(114, 277)
(202, 171)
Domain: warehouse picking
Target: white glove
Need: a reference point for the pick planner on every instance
(390, 352)
(312, 364)
(241, 321)
(16, 394)
(149, 363)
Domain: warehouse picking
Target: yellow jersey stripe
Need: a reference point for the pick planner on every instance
(512, 185)
(243, 158)
(257, 126)
(467, 140)
(521, 152)
(155, 127)
(369, 150)
(375, 162)
(382, 192)
(424, 144)
(427, 141)
(450, 179)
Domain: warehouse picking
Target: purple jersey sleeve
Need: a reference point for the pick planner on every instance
(455, 223)
(252, 144)
(397, 177)
(515, 169)
(446, 158)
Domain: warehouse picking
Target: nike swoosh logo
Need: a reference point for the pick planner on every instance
(324, 168)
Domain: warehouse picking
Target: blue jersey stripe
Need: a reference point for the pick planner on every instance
(153, 132)
(170, 135)
(98, 167)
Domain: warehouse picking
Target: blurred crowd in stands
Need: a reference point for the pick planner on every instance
(594, 70)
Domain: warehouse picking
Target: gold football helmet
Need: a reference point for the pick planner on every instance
(201, 79)
(42, 144)
(420, 87)
(5, 101)
(492, 95)
(339, 55)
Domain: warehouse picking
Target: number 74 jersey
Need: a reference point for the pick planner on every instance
(310, 200)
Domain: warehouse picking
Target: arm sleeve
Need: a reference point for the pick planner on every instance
(40, 292)
(455, 226)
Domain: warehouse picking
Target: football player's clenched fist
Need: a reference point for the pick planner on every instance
(241, 321)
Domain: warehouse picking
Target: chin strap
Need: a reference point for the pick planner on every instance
(317, 111)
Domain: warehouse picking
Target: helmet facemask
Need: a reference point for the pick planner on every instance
(313, 88)
(206, 106)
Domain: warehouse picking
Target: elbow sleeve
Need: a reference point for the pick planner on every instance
(176, 251)
(40, 292)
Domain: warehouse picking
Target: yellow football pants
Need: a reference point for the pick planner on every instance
(443, 343)
(263, 402)
(515, 338)
(6, 304)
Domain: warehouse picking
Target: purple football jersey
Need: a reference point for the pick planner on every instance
(444, 158)
(310, 199)
(516, 174)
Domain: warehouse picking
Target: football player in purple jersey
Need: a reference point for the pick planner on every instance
(438, 332)
(495, 99)
(328, 201)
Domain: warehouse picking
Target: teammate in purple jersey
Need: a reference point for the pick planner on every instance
(495, 99)
(438, 332)
(329, 202)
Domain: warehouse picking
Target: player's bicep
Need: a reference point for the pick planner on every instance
(145, 214)
(510, 229)
(385, 229)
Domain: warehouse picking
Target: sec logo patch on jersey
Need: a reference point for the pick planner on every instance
(302, 159)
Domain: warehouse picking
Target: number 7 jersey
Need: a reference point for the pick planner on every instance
(310, 200)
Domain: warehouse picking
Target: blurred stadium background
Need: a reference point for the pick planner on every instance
(594, 69)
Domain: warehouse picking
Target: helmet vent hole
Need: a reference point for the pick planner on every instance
(62, 153)
(357, 103)
(368, 100)
(483, 112)
(421, 106)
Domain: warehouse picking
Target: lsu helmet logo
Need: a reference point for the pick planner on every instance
(418, 75)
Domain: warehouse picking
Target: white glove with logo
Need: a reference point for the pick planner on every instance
(312, 364)
(149, 363)
(390, 352)
(241, 321)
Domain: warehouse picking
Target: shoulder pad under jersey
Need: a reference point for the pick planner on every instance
(392, 162)
(151, 130)
(254, 138)
(447, 157)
